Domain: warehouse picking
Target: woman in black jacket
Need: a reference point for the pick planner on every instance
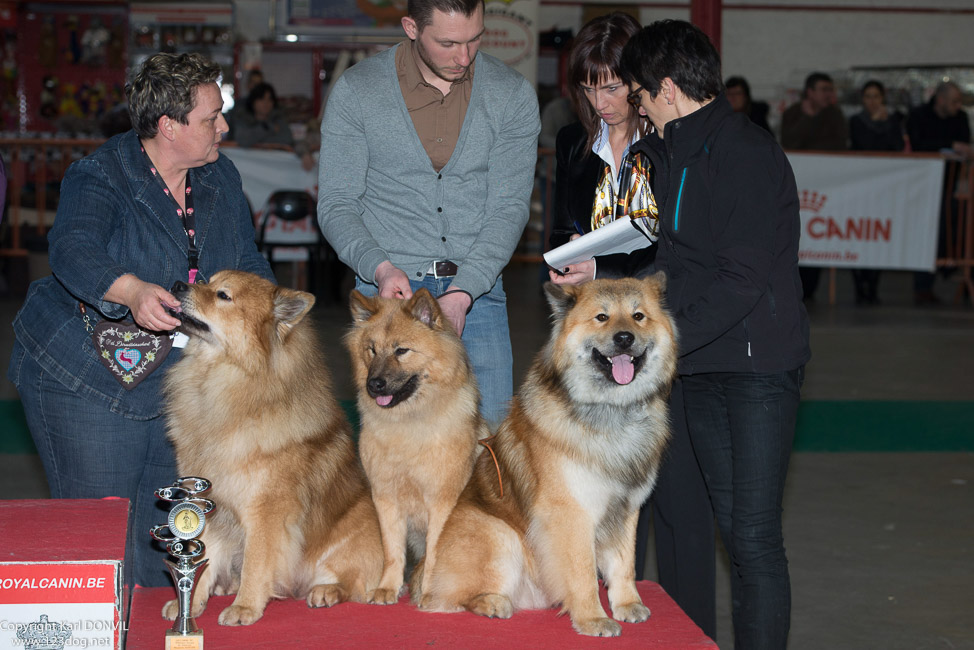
(729, 229)
(596, 177)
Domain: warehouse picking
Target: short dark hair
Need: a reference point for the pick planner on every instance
(595, 56)
(422, 10)
(166, 84)
(739, 82)
(873, 83)
(944, 86)
(674, 49)
(258, 92)
(815, 78)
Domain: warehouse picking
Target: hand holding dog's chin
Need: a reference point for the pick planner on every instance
(146, 301)
(454, 306)
(392, 281)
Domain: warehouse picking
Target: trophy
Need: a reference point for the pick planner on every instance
(186, 520)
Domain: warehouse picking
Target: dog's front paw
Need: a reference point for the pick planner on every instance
(597, 627)
(326, 595)
(383, 596)
(170, 610)
(239, 615)
(631, 613)
(491, 605)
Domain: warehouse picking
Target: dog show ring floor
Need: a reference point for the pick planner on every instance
(292, 624)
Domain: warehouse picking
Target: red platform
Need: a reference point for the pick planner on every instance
(292, 624)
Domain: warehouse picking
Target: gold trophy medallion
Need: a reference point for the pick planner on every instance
(186, 520)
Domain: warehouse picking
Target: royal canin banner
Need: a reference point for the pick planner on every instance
(861, 211)
(60, 605)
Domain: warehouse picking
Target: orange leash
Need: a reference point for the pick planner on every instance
(486, 443)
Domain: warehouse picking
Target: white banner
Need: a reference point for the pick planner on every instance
(512, 35)
(877, 212)
(265, 171)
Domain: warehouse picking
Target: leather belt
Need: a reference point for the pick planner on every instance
(444, 269)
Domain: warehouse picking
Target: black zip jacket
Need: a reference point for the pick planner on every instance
(729, 231)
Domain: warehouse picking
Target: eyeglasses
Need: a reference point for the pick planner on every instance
(633, 97)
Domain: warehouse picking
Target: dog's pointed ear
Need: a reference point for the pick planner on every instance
(424, 308)
(561, 298)
(362, 307)
(660, 279)
(290, 306)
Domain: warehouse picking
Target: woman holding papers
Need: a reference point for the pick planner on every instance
(597, 178)
(729, 229)
(594, 161)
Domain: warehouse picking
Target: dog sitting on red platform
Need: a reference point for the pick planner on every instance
(250, 408)
(556, 501)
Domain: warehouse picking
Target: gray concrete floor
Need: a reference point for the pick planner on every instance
(880, 545)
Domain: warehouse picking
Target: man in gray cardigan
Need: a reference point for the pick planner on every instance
(427, 164)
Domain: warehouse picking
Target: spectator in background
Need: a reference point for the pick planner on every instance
(263, 124)
(738, 93)
(874, 128)
(254, 77)
(939, 125)
(556, 114)
(814, 123)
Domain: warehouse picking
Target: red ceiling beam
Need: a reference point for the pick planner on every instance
(705, 14)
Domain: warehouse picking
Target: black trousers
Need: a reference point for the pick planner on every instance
(683, 526)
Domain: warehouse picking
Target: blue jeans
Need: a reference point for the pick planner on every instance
(89, 452)
(487, 339)
(742, 426)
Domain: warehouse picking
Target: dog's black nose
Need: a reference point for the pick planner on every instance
(376, 385)
(623, 339)
(179, 287)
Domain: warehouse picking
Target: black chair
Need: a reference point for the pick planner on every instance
(287, 231)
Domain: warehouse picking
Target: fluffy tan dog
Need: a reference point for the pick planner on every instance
(418, 401)
(250, 408)
(577, 455)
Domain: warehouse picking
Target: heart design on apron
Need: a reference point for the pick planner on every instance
(129, 352)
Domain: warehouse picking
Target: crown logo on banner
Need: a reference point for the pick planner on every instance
(44, 635)
(811, 201)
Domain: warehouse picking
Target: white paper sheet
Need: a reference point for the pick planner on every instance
(621, 236)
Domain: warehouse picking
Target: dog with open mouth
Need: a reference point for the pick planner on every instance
(249, 406)
(556, 503)
(420, 423)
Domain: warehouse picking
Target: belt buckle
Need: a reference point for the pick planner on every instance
(436, 271)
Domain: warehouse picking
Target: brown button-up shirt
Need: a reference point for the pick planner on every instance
(436, 118)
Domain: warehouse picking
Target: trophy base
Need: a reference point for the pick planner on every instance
(191, 641)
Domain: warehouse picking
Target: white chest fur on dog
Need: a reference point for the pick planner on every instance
(593, 490)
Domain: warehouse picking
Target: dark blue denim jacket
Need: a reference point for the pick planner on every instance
(113, 219)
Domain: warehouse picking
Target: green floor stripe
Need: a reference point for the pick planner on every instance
(822, 426)
(885, 426)
(15, 438)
